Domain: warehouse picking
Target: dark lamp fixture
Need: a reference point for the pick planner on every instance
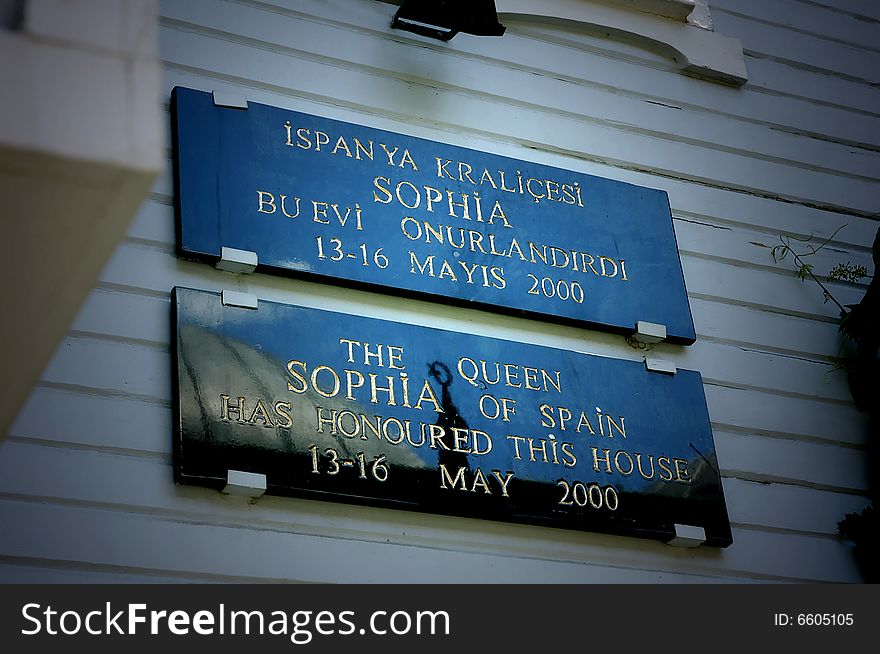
(443, 19)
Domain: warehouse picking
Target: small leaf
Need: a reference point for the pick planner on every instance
(805, 270)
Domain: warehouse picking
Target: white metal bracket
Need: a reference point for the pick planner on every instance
(649, 332)
(230, 99)
(237, 261)
(239, 299)
(660, 365)
(244, 484)
(688, 536)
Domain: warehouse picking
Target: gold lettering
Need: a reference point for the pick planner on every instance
(335, 389)
(284, 209)
(442, 168)
(597, 458)
(260, 413)
(459, 477)
(407, 159)
(303, 384)
(303, 136)
(426, 267)
(227, 407)
(320, 212)
(428, 395)
(395, 356)
(282, 413)
(447, 271)
(547, 418)
(504, 481)
(542, 449)
(664, 467)
(351, 384)
(341, 145)
(480, 480)
(374, 390)
(621, 428)
(359, 147)
(389, 153)
(436, 434)
(569, 460)
(385, 191)
(321, 138)
(681, 471)
(531, 375)
(629, 460)
(262, 202)
(516, 441)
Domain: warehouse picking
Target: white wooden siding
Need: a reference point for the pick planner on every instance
(86, 490)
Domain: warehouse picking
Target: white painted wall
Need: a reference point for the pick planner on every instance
(86, 490)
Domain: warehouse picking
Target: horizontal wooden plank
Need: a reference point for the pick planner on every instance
(143, 485)
(492, 78)
(764, 330)
(863, 8)
(143, 373)
(528, 125)
(99, 422)
(412, 548)
(123, 314)
(738, 410)
(154, 223)
(805, 17)
(798, 47)
(127, 316)
(688, 199)
(714, 320)
(27, 571)
(158, 271)
(744, 368)
(618, 66)
(780, 506)
(121, 368)
(175, 548)
(856, 100)
(146, 318)
(772, 460)
(599, 62)
(749, 287)
(753, 249)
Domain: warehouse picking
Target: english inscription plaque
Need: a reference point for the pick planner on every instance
(335, 201)
(359, 410)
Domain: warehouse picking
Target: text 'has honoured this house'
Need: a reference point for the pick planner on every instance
(374, 291)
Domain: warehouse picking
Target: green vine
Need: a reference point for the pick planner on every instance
(860, 324)
(841, 272)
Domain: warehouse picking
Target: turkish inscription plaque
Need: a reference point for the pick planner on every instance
(340, 202)
(352, 409)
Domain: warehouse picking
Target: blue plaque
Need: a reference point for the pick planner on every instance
(334, 201)
(359, 410)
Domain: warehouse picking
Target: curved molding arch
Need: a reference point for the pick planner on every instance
(694, 49)
(681, 29)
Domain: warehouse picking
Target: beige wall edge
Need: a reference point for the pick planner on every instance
(81, 141)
